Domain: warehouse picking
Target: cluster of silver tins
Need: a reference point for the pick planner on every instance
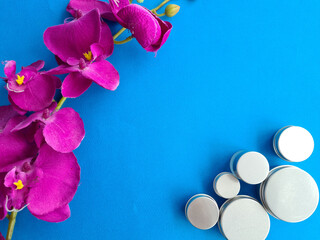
(287, 193)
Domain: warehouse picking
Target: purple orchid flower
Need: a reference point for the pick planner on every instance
(82, 45)
(62, 130)
(30, 90)
(2, 237)
(43, 180)
(78, 8)
(45, 185)
(149, 30)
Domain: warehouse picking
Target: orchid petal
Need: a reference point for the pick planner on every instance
(58, 183)
(58, 215)
(77, 8)
(57, 82)
(106, 41)
(141, 23)
(10, 69)
(117, 5)
(73, 61)
(97, 51)
(61, 69)
(16, 108)
(37, 65)
(38, 137)
(19, 148)
(27, 122)
(13, 122)
(3, 189)
(64, 130)
(165, 29)
(6, 113)
(103, 73)
(74, 85)
(38, 94)
(74, 38)
(37, 116)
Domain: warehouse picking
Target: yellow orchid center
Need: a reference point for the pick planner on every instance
(20, 80)
(88, 55)
(19, 185)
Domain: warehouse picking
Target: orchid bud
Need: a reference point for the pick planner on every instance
(171, 10)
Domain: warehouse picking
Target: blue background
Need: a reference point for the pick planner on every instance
(230, 75)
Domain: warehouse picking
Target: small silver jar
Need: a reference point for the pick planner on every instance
(293, 144)
(202, 211)
(289, 194)
(250, 167)
(226, 185)
(243, 218)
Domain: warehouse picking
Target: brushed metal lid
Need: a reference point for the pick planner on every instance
(252, 167)
(290, 194)
(202, 211)
(226, 185)
(295, 144)
(244, 218)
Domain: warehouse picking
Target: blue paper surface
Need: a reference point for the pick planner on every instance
(230, 75)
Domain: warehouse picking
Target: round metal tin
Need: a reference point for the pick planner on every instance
(294, 144)
(251, 167)
(226, 185)
(243, 218)
(289, 194)
(202, 211)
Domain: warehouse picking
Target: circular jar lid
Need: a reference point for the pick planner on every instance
(202, 211)
(252, 167)
(295, 144)
(226, 185)
(243, 218)
(290, 194)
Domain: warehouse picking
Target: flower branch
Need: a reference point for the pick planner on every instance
(128, 39)
(60, 103)
(37, 135)
(119, 33)
(12, 222)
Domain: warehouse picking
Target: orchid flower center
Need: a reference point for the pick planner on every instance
(19, 185)
(20, 80)
(46, 113)
(88, 55)
(82, 63)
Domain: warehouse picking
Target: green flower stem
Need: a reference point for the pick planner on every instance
(60, 103)
(159, 15)
(128, 39)
(12, 222)
(160, 6)
(118, 33)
